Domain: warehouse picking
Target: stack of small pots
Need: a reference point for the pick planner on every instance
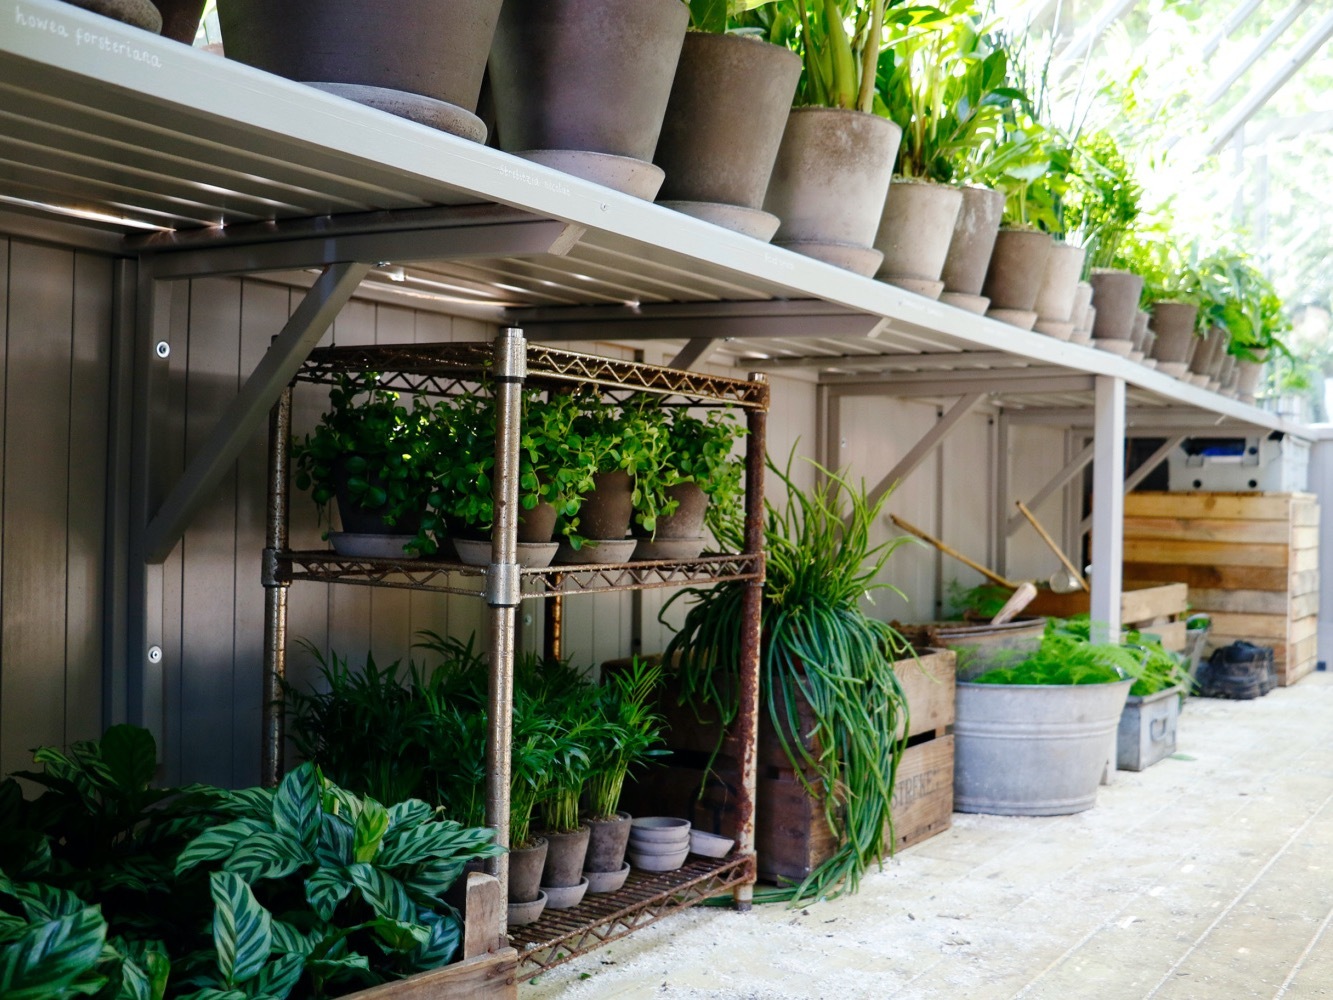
(659, 843)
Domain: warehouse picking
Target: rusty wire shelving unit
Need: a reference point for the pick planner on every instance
(504, 367)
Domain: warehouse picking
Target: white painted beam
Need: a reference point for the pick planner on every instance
(922, 450)
(1108, 508)
(1058, 481)
(1265, 42)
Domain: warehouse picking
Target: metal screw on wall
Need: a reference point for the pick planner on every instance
(163, 349)
(154, 654)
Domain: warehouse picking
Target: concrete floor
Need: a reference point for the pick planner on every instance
(1210, 875)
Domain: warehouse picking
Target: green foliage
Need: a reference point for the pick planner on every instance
(699, 451)
(713, 16)
(1158, 667)
(983, 601)
(627, 733)
(314, 890)
(1065, 657)
(381, 449)
(314, 881)
(945, 81)
(1104, 198)
(1235, 295)
(818, 646)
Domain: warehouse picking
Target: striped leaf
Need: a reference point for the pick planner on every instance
(55, 959)
(385, 894)
(242, 933)
(297, 805)
(279, 977)
(217, 843)
(266, 855)
(325, 889)
(368, 833)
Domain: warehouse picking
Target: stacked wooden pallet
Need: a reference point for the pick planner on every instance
(1251, 561)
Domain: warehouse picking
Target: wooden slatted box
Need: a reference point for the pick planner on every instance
(1251, 561)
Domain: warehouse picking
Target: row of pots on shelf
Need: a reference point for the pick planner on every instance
(558, 869)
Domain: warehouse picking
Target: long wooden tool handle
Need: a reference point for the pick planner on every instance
(1023, 509)
(949, 550)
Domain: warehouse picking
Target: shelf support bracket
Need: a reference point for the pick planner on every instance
(1057, 481)
(927, 445)
(694, 351)
(251, 406)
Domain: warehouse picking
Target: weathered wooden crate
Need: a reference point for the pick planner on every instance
(792, 835)
(488, 969)
(1251, 561)
(1160, 609)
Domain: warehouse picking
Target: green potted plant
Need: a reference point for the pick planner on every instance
(1169, 294)
(370, 454)
(1016, 752)
(840, 727)
(574, 727)
(833, 165)
(554, 473)
(532, 754)
(945, 82)
(629, 733)
(729, 103)
(705, 484)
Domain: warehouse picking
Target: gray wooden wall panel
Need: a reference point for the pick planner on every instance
(54, 325)
(85, 583)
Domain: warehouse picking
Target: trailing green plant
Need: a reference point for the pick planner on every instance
(628, 733)
(820, 647)
(945, 81)
(313, 884)
(376, 448)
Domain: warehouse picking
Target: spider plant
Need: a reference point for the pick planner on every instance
(628, 733)
(819, 646)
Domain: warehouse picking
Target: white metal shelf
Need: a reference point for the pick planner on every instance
(206, 165)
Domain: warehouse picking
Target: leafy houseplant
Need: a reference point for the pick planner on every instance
(818, 647)
(629, 732)
(373, 455)
(699, 453)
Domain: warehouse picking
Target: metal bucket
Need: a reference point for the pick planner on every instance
(1033, 749)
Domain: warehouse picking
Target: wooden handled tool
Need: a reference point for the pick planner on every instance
(949, 550)
(1045, 537)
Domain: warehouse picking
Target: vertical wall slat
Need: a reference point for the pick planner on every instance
(208, 585)
(32, 688)
(89, 400)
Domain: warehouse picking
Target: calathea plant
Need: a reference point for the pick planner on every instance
(315, 882)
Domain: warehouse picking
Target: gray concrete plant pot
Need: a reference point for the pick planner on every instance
(1176, 343)
(1033, 749)
(970, 248)
(915, 231)
(525, 871)
(582, 85)
(137, 13)
(180, 19)
(607, 840)
(686, 521)
(1248, 374)
(1115, 296)
(605, 512)
(565, 853)
(1017, 267)
(1059, 286)
(421, 59)
(829, 183)
(724, 121)
(1147, 729)
(1208, 354)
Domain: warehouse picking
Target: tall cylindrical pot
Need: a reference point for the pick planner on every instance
(582, 85)
(970, 248)
(1174, 323)
(1017, 267)
(1248, 374)
(605, 512)
(138, 13)
(724, 121)
(915, 231)
(1115, 296)
(1033, 749)
(419, 58)
(1082, 318)
(565, 855)
(829, 183)
(1140, 333)
(525, 870)
(1059, 283)
(1209, 354)
(607, 840)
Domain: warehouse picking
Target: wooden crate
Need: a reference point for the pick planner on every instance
(488, 969)
(792, 835)
(1159, 609)
(1251, 561)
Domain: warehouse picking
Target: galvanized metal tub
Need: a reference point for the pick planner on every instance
(1033, 749)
